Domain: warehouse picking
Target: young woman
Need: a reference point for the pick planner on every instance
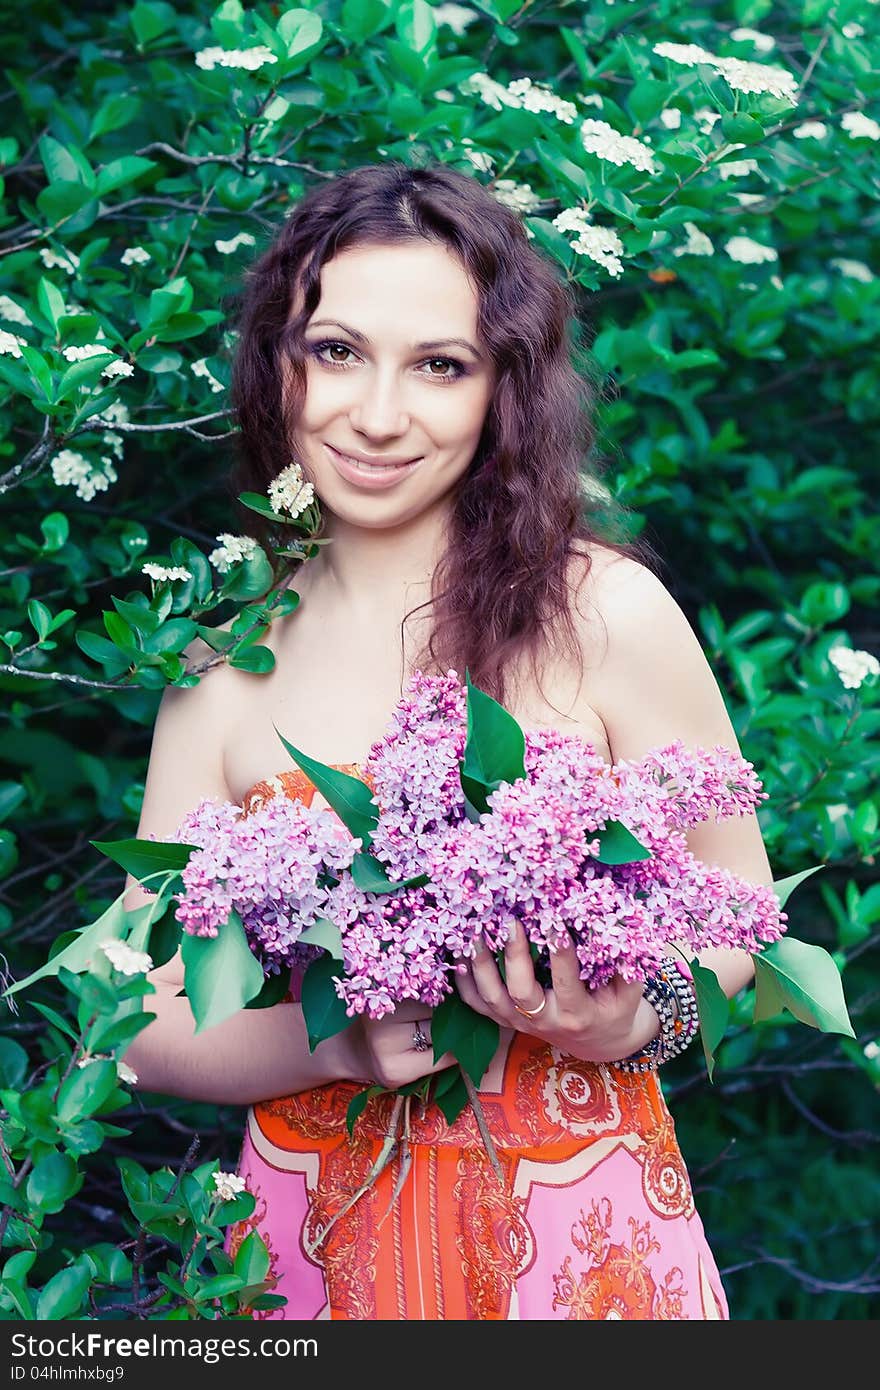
(405, 344)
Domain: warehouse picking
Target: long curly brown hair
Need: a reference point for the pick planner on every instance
(524, 514)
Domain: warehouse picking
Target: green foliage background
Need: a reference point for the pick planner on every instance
(738, 424)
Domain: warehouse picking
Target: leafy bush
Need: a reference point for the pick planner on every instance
(715, 217)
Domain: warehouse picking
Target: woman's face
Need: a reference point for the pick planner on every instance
(397, 383)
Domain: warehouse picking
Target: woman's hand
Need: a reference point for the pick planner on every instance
(601, 1025)
(395, 1050)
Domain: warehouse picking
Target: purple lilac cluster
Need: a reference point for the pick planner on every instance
(532, 859)
(273, 867)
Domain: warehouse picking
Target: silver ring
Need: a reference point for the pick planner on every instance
(420, 1042)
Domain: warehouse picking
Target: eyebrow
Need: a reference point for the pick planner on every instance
(417, 347)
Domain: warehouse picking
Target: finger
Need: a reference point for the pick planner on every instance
(571, 993)
(470, 994)
(519, 971)
(411, 1010)
(487, 979)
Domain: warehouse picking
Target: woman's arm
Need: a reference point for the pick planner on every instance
(653, 685)
(256, 1054)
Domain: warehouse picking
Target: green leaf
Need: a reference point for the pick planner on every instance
(415, 24)
(148, 21)
(55, 528)
(784, 887)
(325, 934)
(617, 845)
(117, 172)
(800, 977)
(53, 1180)
(254, 658)
(357, 1105)
(256, 502)
(451, 1093)
(63, 162)
(368, 874)
(13, 1064)
(495, 747)
(323, 1010)
(472, 1038)
(252, 1259)
(301, 31)
(12, 794)
(51, 300)
(140, 858)
(86, 1090)
(713, 1008)
(62, 199)
(63, 1295)
(272, 991)
(221, 974)
(350, 798)
(112, 925)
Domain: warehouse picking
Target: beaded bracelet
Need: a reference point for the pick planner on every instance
(671, 993)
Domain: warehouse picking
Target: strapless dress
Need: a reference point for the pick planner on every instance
(595, 1218)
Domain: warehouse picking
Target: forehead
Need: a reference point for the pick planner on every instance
(417, 283)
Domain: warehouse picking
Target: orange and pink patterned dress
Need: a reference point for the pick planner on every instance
(594, 1219)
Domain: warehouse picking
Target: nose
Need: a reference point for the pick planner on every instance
(378, 407)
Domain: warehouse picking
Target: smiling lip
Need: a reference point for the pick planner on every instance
(364, 473)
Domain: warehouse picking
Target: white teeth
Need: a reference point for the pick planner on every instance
(372, 467)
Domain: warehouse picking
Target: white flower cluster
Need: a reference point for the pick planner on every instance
(161, 573)
(521, 197)
(70, 469)
(697, 244)
(853, 270)
(600, 138)
(737, 168)
(742, 76)
(53, 260)
(231, 550)
(858, 126)
(249, 58)
(522, 93)
(115, 414)
(11, 312)
(479, 158)
(226, 248)
(201, 368)
(763, 42)
(749, 252)
(228, 1185)
(853, 31)
(134, 255)
(670, 117)
(126, 960)
(11, 344)
(87, 350)
(457, 17)
(290, 492)
(81, 354)
(810, 130)
(600, 244)
(853, 666)
(127, 1075)
(536, 96)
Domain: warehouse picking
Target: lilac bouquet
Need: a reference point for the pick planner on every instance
(463, 825)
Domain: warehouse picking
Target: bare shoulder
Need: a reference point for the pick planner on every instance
(610, 592)
(650, 679)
